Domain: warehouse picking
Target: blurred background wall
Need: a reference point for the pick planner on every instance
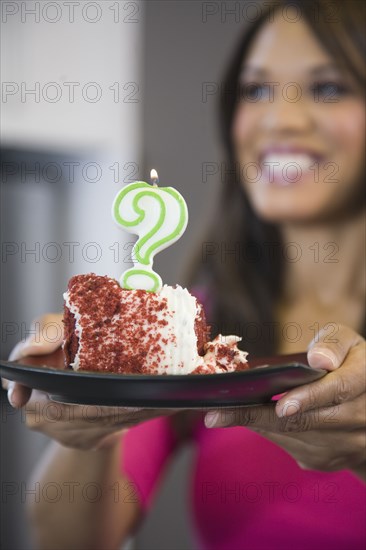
(92, 98)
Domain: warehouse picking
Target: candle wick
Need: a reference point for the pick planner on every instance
(154, 176)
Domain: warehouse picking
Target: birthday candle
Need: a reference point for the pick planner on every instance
(159, 216)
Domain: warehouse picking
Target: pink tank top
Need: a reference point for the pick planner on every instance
(246, 492)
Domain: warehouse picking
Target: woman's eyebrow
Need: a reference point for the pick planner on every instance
(261, 72)
(324, 68)
(257, 71)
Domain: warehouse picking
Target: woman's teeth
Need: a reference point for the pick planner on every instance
(286, 168)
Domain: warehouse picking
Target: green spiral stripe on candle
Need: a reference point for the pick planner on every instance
(147, 191)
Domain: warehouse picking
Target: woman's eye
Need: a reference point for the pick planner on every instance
(328, 91)
(255, 92)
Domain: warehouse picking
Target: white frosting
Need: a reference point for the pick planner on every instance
(181, 356)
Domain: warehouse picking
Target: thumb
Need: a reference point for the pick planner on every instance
(328, 351)
(46, 336)
(18, 395)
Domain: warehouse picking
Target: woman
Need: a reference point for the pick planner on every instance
(292, 476)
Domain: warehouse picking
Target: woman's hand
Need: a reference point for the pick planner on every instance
(46, 336)
(77, 426)
(322, 424)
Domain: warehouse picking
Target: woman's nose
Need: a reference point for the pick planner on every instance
(288, 113)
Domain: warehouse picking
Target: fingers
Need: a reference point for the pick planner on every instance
(46, 336)
(347, 417)
(343, 384)
(329, 351)
(82, 426)
(42, 409)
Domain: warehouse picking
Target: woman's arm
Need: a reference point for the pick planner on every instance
(96, 506)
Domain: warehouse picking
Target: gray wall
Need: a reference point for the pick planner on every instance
(32, 214)
(186, 50)
(74, 209)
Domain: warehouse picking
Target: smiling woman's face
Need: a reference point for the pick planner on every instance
(299, 128)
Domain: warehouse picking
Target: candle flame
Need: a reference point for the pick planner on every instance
(154, 176)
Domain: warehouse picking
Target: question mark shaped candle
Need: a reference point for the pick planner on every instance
(159, 216)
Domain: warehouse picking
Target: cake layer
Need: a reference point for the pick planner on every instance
(108, 328)
(111, 329)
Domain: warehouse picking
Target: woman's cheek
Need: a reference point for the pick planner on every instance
(344, 130)
(244, 127)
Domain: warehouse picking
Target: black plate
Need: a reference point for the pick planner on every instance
(266, 378)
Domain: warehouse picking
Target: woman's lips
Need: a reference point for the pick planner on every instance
(288, 168)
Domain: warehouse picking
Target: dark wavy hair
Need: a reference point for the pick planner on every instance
(244, 272)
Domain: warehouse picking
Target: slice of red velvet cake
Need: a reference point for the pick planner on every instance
(111, 329)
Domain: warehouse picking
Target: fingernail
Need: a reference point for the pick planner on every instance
(320, 359)
(19, 350)
(108, 441)
(211, 419)
(15, 352)
(10, 396)
(288, 408)
(302, 465)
